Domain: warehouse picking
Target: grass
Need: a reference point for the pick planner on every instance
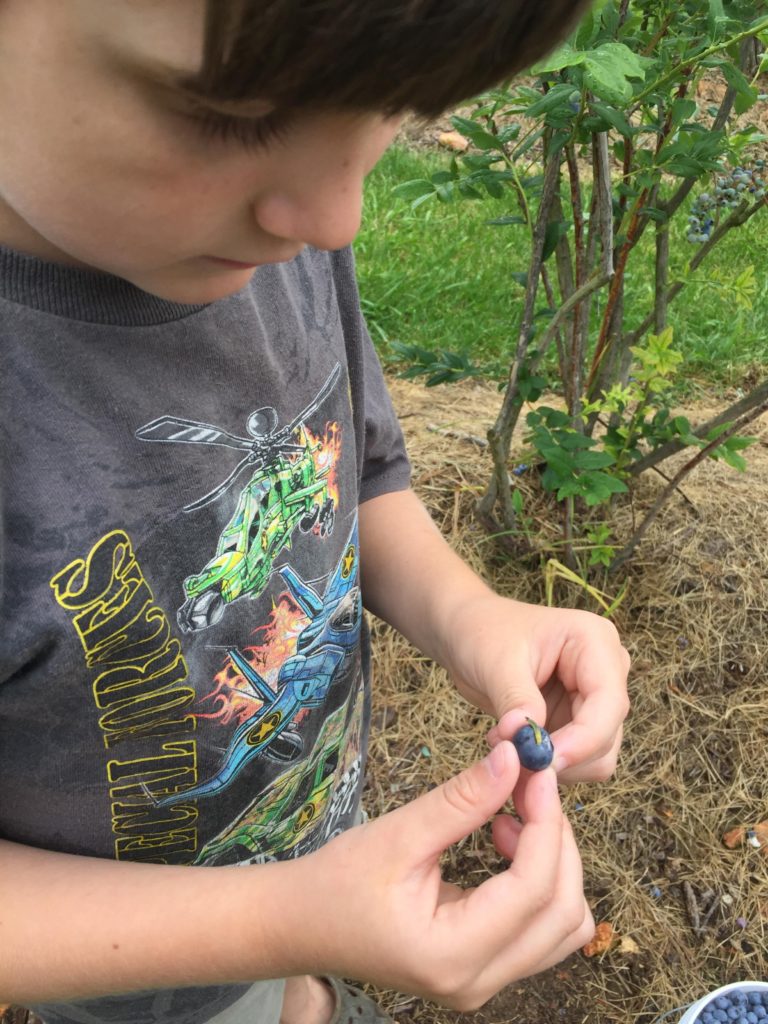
(440, 277)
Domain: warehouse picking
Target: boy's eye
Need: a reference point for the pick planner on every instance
(249, 132)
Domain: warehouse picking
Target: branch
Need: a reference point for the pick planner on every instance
(599, 280)
(500, 434)
(696, 58)
(604, 199)
(677, 479)
(662, 277)
(757, 395)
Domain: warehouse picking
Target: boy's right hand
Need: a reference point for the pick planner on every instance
(376, 899)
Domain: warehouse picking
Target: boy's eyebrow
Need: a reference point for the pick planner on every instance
(186, 84)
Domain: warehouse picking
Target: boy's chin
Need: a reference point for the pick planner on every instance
(191, 289)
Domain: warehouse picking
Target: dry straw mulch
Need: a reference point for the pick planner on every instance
(689, 913)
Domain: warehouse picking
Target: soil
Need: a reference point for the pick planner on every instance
(689, 912)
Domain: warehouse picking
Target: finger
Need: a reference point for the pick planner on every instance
(556, 930)
(515, 718)
(516, 692)
(598, 769)
(505, 902)
(436, 820)
(506, 834)
(594, 732)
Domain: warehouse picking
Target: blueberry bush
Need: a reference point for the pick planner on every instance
(604, 153)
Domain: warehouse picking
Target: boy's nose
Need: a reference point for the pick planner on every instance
(322, 213)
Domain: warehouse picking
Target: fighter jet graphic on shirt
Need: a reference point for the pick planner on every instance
(304, 678)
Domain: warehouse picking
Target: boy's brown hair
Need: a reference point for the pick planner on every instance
(384, 55)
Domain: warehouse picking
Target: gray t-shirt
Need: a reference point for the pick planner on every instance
(183, 656)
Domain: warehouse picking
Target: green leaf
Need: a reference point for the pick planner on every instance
(565, 57)
(609, 69)
(493, 187)
(593, 460)
(718, 20)
(683, 110)
(556, 229)
(441, 377)
(738, 443)
(559, 96)
(600, 486)
(573, 441)
(586, 32)
(477, 135)
(468, 191)
(614, 118)
(504, 221)
(651, 212)
(517, 501)
(414, 189)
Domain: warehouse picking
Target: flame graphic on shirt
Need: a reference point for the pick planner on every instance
(232, 695)
(327, 449)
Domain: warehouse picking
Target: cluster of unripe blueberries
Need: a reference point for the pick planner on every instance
(738, 1006)
(730, 189)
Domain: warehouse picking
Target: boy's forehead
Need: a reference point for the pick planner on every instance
(161, 38)
(160, 41)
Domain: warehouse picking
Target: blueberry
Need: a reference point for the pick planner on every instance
(533, 746)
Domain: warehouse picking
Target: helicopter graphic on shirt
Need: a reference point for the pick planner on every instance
(288, 489)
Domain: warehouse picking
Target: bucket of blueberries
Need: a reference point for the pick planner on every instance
(743, 1002)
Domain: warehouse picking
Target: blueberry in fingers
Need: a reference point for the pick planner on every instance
(534, 746)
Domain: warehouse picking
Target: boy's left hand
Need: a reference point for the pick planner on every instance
(563, 668)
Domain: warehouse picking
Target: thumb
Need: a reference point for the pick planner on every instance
(516, 698)
(462, 804)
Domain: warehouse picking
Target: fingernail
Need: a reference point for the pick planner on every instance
(559, 764)
(497, 759)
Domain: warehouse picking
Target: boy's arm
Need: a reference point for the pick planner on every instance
(561, 667)
(369, 905)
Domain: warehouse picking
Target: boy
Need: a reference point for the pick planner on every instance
(201, 475)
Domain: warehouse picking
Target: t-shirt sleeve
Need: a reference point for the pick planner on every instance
(384, 464)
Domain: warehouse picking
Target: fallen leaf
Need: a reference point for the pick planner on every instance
(735, 837)
(453, 140)
(628, 945)
(602, 940)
